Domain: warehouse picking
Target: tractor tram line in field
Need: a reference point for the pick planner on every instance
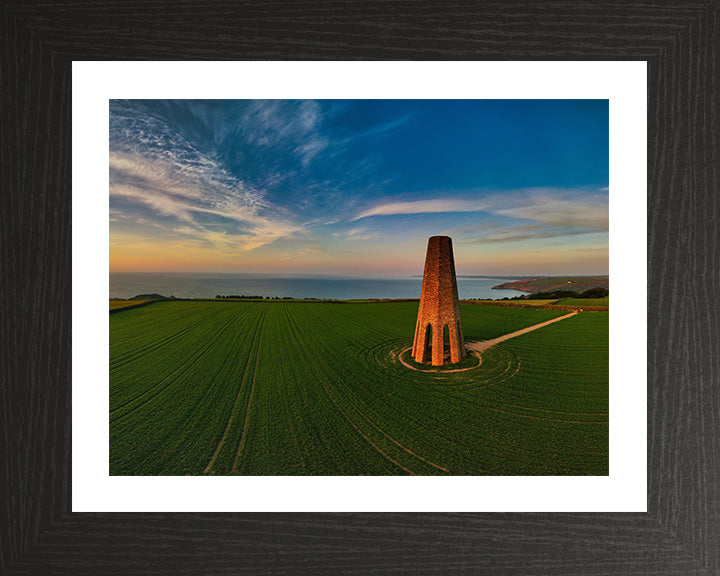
(196, 320)
(157, 345)
(320, 389)
(605, 414)
(547, 414)
(369, 421)
(502, 377)
(240, 388)
(213, 392)
(371, 375)
(393, 440)
(481, 379)
(496, 409)
(444, 379)
(161, 364)
(294, 327)
(246, 419)
(173, 377)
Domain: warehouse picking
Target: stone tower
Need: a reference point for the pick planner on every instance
(438, 306)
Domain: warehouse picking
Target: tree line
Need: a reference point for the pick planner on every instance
(251, 297)
(557, 294)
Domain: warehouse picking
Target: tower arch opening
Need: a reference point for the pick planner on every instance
(428, 342)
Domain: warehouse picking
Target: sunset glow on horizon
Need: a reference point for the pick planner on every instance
(356, 187)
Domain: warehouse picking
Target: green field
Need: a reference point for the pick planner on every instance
(517, 303)
(115, 304)
(317, 388)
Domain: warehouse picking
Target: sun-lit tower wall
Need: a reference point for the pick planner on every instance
(438, 306)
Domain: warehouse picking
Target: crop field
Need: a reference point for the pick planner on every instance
(115, 304)
(293, 388)
(517, 303)
(584, 301)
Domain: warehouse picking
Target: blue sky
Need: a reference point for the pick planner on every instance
(355, 187)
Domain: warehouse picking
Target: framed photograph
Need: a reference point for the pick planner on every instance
(281, 243)
(120, 472)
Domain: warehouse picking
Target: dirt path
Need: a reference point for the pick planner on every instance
(485, 344)
(479, 347)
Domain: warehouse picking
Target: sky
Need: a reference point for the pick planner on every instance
(356, 187)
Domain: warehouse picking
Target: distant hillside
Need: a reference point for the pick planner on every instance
(149, 297)
(548, 284)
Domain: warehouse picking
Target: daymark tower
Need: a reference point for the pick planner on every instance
(438, 306)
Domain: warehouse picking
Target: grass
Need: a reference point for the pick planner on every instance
(115, 304)
(317, 388)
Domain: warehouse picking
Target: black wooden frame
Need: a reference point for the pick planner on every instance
(680, 533)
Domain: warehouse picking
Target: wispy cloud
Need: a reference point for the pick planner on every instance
(310, 251)
(360, 233)
(379, 130)
(297, 125)
(558, 207)
(422, 207)
(496, 235)
(167, 176)
(243, 183)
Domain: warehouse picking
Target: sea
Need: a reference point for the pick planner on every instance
(202, 285)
